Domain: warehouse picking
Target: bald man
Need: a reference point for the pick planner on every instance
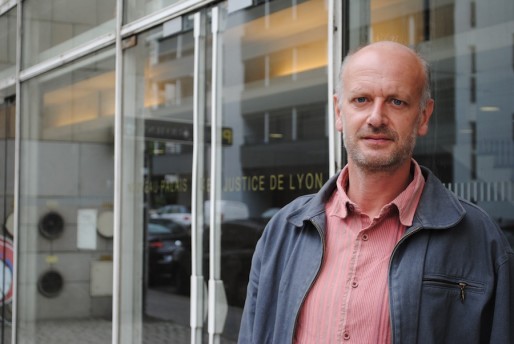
(383, 253)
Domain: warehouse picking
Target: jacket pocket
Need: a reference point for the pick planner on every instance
(460, 287)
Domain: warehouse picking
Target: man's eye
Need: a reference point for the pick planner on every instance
(397, 102)
(360, 99)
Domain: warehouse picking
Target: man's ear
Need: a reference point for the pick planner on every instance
(425, 118)
(338, 114)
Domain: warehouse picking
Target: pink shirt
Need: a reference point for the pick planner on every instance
(348, 302)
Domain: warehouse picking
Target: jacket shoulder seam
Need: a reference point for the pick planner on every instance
(504, 259)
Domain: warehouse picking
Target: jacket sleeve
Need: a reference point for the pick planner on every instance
(503, 317)
(246, 331)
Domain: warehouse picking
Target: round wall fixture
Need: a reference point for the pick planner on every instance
(51, 225)
(50, 283)
(106, 224)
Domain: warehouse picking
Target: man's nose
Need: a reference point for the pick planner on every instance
(377, 116)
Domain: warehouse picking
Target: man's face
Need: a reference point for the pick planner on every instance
(379, 110)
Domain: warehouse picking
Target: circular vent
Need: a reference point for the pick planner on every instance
(51, 225)
(50, 283)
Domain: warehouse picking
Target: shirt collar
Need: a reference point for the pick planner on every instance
(406, 202)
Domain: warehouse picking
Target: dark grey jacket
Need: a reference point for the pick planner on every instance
(451, 276)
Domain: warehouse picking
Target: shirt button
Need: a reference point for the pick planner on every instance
(346, 335)
(355, 284)
(365, 237)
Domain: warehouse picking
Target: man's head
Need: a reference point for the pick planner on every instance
(382, 104)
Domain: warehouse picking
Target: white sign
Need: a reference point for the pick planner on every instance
(86, 229)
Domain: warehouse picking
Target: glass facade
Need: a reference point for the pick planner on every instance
(136, 9)
(253, 104)
(51, 27)
(138, 172)
(65, 245)
(470, 145)
(8, 44)
(157, 169)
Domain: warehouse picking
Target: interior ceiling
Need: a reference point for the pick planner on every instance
(280, 26)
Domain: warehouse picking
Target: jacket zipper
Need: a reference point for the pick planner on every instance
(460, 284)
(413, 231)
(313, 281)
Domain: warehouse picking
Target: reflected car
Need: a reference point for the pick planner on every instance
(228, 210)
(238, 241)
(176, 212)
(169, 254)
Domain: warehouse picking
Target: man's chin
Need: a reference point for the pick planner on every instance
(379, 164)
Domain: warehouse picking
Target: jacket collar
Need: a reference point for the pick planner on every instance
(438, 207)
(315, 206)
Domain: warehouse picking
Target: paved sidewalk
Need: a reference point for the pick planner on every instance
(166, 321)
(97, 331)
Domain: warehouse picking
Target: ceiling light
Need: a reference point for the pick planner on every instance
(489, 108)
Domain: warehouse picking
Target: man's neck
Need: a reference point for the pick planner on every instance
(371, 190)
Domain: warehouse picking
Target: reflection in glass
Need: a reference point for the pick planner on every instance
(51, 27)
(471, 144)
(157, 177)
(135, 9)
(274, 105)
(66, 202)
(275, 99)
(8, 45)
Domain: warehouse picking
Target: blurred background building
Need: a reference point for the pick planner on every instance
(144, 144)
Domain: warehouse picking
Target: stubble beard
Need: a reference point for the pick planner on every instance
(383, 163)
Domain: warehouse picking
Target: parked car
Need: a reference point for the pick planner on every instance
(169, 253)
(238, 241)
(228, 210)
(177, 212)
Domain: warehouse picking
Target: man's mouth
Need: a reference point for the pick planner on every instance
(381, 135)
(377, 138)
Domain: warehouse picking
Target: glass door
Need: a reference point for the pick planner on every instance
(165, 83)
(271, 134)
(217, 106)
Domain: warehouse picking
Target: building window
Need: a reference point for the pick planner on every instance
(67, 128)
(472, 89)
(472, 14)
(51, 27)
(473, 58)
